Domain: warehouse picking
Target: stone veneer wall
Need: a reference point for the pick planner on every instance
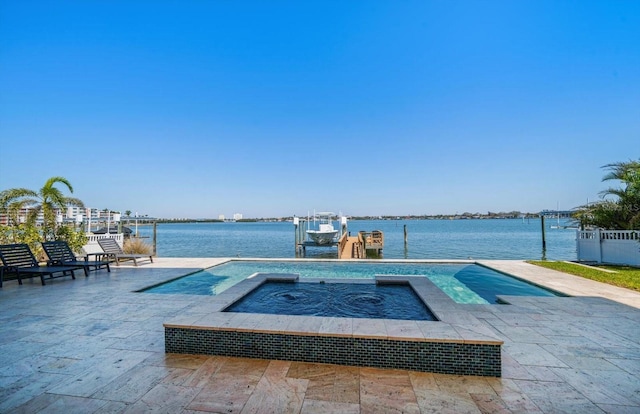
(439, 357)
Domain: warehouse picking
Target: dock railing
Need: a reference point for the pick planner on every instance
(609, 246)
(359, 250)
(342, 244)
(373, 242)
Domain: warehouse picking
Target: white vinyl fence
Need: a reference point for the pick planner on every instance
(609, 246)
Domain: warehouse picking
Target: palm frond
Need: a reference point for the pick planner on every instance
(76, 202)
(53, 180)
(11, 195)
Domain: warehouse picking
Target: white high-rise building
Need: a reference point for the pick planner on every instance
(73, 212)
(70, 213)
(237, 216)
(221, 217)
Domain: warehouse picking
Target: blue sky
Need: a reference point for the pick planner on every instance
(201, 108)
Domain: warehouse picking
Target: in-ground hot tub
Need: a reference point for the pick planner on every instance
(352, 299)
(454, 342)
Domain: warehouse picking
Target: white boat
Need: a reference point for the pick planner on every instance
(325, 233)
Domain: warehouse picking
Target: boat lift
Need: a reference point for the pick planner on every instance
(301, 226)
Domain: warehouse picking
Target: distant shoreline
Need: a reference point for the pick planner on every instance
(354, 218)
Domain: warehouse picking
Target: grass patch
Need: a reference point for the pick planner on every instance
(623, 276)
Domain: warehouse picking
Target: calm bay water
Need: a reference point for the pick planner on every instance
(426, 239)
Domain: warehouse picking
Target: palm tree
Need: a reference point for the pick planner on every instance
(623, 212)
(626, 172)
(628, 196)
(12, 202)
(46, 201)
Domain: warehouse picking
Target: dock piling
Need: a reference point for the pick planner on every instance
(544, 240)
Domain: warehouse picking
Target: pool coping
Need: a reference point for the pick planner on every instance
(457, 332)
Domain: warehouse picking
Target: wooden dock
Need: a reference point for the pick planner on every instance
(362, 246)
(350, 248)
(365, 244)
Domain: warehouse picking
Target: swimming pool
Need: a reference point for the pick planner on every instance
(464, 283)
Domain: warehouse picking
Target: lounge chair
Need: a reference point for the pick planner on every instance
(112, 250)
(18, 259)
(60, 254)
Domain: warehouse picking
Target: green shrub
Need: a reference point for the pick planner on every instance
(75, 239)
(21, 233)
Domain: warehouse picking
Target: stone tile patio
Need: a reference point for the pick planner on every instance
(92, 345)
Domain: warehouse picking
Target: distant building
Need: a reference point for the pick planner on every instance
(70, 214)
(221, 217)
(86, 213)
(21, 216)
(73, 212)
(237, 216)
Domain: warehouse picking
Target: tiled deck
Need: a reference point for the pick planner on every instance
(92, 345)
